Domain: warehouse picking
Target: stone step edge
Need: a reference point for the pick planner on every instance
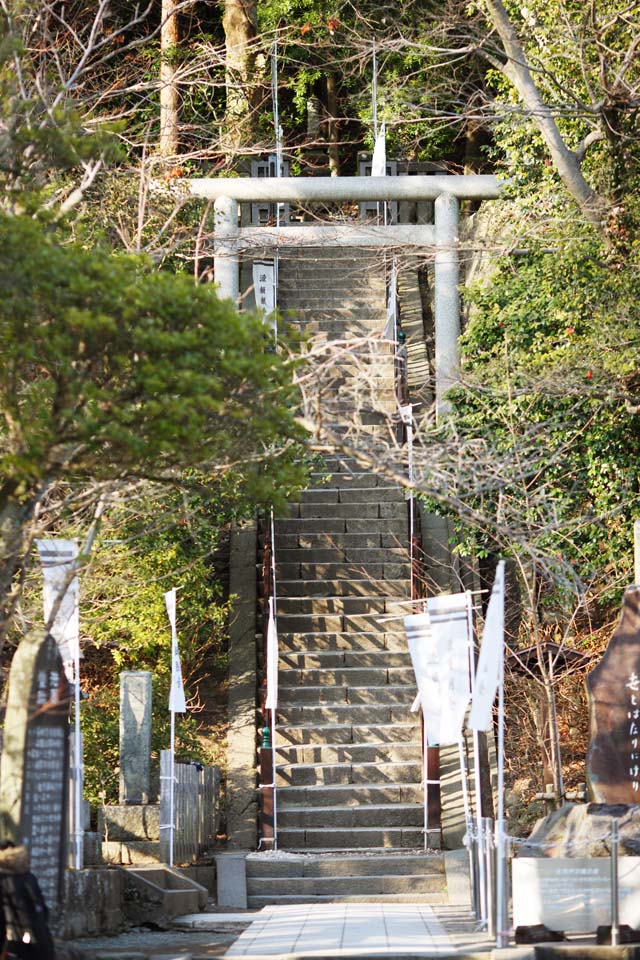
(254, 900)
(364, 785)
(381, 807)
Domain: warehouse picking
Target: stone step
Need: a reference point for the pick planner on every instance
(355, 838)
(310, 587)
(318, 313)
(303, 774)
(257, 903)
(355, 714)
(337, 463)
(339, 659)
(346, 554)
(345, 733)
(349, 817)
(350, 752)
(328, 526)
(408, 864)
(362, 334)
(325, 494)
(341, 541)
(352, 510)
(391, 639)
(341, 571)
(336, 622)
(337, 887)
(349, 480)
(376, 676)
(368, 604)
(350, 794)
(380, 694)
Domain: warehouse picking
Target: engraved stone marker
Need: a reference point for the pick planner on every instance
(613, 757)
(135, 736)
(34, 770)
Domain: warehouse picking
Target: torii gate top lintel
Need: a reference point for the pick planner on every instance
(288, 189)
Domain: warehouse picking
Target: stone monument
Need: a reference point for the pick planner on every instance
(34, 770)
(613, 757)
(135, 736)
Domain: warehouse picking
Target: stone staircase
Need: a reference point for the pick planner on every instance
(349, 761)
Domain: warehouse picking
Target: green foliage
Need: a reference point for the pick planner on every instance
(550, 369)
(159, 541)
(110, 369)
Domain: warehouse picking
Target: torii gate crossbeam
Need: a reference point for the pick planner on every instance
(446, 191)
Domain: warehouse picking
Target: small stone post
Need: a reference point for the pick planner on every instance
(135, 736)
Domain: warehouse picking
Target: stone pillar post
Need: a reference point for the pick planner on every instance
(225, 262)
(135, 736)
(446, 298)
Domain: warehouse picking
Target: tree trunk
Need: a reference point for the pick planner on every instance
(169, 100)
(240, 27)
(332, 125)
(516, 69)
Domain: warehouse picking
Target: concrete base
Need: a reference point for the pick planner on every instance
(129, 822)
(132, 852)
(158, 894)
(232, 879)
(92, 904)
(456, 865)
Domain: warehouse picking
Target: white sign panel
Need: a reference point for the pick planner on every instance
(490, 659)
(573, 894)
(58, 558)
(177, 703)
(264, 284)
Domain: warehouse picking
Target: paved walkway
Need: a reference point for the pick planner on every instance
(349, 929)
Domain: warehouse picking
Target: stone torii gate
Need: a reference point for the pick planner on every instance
(442, 237)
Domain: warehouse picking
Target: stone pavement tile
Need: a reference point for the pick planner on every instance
(348, 930)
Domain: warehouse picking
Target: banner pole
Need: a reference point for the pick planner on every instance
(477, 780)
(78, 764)
(502, 938)
(172, 775)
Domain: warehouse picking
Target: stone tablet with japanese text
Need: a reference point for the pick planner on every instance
(34, 771)
(613, 757)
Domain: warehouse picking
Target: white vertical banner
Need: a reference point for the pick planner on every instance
(271, 703)
(438, 643)
(58, 559)
(177, 703)
(264, 284)
(390, 327)
(379, 159)
(424, 657)
(450, 628)
(491, 656)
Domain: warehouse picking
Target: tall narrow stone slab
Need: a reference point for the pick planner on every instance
(613, 757)
(34, 770)
(135, 736)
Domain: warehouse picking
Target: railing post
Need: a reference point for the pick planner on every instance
(267, 832)
(615, 917)
(490, 874)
